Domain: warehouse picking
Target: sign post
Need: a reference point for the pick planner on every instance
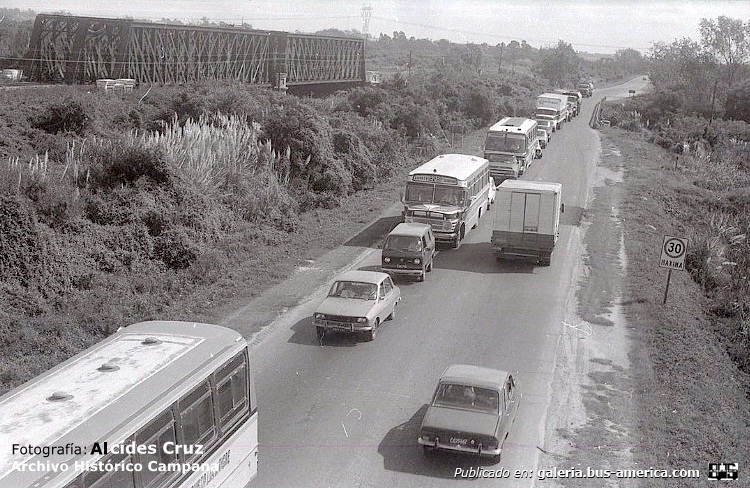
(672, 257)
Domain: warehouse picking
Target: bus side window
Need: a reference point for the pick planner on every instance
(232, 392)
(157, 433)
(111, 479)
(196, 414)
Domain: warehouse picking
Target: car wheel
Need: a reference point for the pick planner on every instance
(421, 276)
(393, 313)
(372, 333)
(429, 266)
(320, 332)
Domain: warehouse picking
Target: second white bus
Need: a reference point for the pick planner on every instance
(449, 192)
(510, 147)
(156, 405)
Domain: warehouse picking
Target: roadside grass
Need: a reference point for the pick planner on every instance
(692, 396)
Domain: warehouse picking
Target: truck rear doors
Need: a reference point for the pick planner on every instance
(524, 214)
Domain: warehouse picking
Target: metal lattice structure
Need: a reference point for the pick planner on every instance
(84, 49)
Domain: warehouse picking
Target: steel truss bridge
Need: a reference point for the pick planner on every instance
(83, 49)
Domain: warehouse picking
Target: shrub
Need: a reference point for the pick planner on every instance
(175, 248)
(22, 246)
(68, 115)
(118, 163)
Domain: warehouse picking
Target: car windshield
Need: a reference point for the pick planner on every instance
(467, 397)
(402, 243)
(354, 289)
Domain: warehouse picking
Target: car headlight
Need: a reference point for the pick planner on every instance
(320, 316)
(362, 320)
(417, 261)
(386, 260)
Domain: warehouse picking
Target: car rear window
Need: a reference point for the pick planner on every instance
(468, 397)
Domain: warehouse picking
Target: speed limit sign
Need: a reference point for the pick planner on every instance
(673, 253)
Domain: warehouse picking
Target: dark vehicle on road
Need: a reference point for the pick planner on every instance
(471, 411)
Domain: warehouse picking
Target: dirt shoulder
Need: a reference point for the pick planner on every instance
(640, 385)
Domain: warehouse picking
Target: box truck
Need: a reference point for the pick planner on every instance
(552, 106)
(527, 220)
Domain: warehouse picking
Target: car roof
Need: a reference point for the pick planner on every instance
(475, 375)
(363, 276)
(413, 229)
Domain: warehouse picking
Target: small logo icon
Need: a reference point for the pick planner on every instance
(723, 471)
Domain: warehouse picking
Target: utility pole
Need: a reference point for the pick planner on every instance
(366, 14)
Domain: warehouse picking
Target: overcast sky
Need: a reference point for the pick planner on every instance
(601, 26)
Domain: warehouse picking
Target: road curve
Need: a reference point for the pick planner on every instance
(346, 414)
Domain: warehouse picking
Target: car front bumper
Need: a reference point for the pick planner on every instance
(341, 326)
(402, 271)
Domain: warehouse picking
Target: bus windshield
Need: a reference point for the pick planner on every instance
(506, 142)
(546, 111)
(437, 194)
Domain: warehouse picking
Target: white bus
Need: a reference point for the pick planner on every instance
(449, 192)
(156, 405)
(510, 147)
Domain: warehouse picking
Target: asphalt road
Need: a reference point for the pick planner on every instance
(347, 414)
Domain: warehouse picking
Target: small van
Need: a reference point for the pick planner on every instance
(409, 250)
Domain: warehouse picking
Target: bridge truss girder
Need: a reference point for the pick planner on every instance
(84, 49)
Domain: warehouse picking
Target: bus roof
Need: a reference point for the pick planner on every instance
(108, 391)
(513, 124)
(459, 166)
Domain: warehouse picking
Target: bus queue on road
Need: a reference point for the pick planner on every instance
(172, 404)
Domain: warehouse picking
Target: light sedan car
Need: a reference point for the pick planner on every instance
(358, 302)
(471, 411)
